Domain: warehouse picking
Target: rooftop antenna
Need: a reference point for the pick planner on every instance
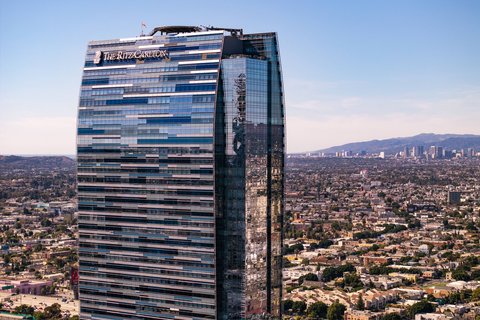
(143, 26)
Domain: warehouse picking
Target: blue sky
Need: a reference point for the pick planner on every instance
(353, 70)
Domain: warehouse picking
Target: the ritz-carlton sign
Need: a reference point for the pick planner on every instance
(126, 55)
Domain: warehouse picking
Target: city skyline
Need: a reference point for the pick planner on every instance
(352, 71)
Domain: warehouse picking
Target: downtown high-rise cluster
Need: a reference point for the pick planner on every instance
(181, 176)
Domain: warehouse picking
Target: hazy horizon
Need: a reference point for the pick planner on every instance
(70, 155)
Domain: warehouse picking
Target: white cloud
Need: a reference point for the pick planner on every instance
(38, 135)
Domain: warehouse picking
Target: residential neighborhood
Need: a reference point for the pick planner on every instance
(364, 239)
(387, 239)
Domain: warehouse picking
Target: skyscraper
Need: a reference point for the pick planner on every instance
(418, 151)
(180, 176)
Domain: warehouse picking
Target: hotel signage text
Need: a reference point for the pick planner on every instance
(124, 55)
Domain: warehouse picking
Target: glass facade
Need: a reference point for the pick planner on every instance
(180, 150)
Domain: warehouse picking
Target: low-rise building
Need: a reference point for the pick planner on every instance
(362, 315)
(35, 287)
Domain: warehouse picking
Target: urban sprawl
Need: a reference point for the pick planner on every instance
(366, 237)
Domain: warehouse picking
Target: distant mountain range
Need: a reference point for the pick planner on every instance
(389, 146)
(36, 162)
(394, 145)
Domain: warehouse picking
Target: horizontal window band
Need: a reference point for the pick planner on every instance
(204, 71)
(112, 86)
(151, 46)
(199, 61)
(202, 81)
(110, 67)
(203, 51)
(167, 94)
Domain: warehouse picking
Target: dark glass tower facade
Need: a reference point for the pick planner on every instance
(180, 176)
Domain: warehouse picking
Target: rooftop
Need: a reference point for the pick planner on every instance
(187, 29)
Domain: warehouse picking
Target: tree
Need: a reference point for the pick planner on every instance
(420, 307)
(317, 310)
(431, 297)
(287, 263)
(360, 303)
(371, 285)
(331, 273)
(415, 224)
(392, 316)
(460, 274)
(446, 224)
(24, 309)
(383, 269)
(51, 289)
(38, 315)
(46, 222)
(299, 307)
(325, 243)
(287, 305)
(470, 226)
(353, 281)
(476, 294)
(53, 312)
(308, 277)
(335, 311)
(294, 248)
